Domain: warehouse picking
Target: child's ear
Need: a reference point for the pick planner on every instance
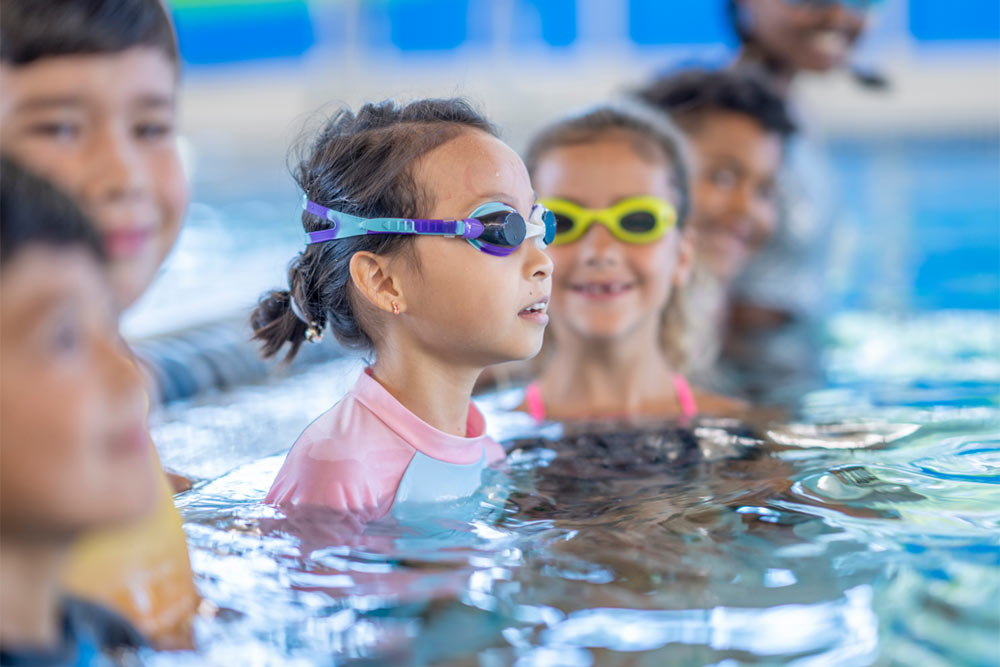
(685, 257)
(372, 276)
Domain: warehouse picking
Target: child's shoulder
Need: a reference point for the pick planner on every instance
(348, 459)
(348, 422)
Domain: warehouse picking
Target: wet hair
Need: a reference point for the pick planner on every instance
(360, 163)
(33, 212)
(31, 30)
(653, 137)
(686, 96)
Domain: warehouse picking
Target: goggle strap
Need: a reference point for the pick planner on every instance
(467, 228)
(317, 210)
(323, 235)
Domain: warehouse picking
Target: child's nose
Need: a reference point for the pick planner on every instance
(741, 198)
(598, 245)
(117, 165)
(122, 373)
(537, 261)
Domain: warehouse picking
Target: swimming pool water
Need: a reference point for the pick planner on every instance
(866, 533)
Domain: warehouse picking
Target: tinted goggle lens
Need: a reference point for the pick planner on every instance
(504, 228)
(638, 222)
(564, 223)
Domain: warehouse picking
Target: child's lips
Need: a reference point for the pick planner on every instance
(130, 441)
(127, 242)
(602, 291)
(831, 43)
(537, 311)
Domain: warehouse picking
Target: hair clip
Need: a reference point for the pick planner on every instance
(313, 333)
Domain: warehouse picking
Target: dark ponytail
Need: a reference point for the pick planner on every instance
(360, 164)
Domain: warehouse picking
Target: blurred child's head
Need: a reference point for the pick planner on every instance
(620, 169)
(89, 102)
(432, 159)
(812, 35)
(736, 125)
(73, 438)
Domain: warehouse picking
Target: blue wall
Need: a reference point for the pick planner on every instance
(955, 20)
(218, 31)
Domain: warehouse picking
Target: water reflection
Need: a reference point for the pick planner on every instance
(866, 540)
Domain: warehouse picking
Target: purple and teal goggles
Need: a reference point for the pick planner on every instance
(493, 228)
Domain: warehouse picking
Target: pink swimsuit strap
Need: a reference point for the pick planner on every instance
(689, 407)
(534, 402)
(685, 397)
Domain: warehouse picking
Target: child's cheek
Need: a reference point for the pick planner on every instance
(173, 189)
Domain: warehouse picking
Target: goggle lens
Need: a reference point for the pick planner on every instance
(638, 222)
(564, 223)
(504, 228)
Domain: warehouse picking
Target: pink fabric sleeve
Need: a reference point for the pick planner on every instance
(346, 460)
(494, 452)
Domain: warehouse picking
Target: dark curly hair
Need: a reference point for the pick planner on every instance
(34, 212)
(31, 30)
(359, 164)
(686, 95)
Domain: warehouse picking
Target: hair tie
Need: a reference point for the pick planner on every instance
(313, 332)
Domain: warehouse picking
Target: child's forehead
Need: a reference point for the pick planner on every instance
(475, 165)
(103, 77)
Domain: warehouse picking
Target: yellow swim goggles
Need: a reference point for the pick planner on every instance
(632, 220)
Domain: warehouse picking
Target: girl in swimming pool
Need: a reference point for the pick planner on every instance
(425, 246)
(616, 178)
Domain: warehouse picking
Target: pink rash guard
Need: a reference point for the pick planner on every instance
(369, 454)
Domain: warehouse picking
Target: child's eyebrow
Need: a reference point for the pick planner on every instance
(32, 315)
(43, 103)
(155, 101)
(497, 196)
(145, 101)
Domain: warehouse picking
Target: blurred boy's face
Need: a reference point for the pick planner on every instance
(102, 128)
(734, 200)
(74, 447)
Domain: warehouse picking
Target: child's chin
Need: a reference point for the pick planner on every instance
(130, 279)
(530, 349)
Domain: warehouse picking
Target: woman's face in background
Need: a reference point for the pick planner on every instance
(604, 288)
(805, 34)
